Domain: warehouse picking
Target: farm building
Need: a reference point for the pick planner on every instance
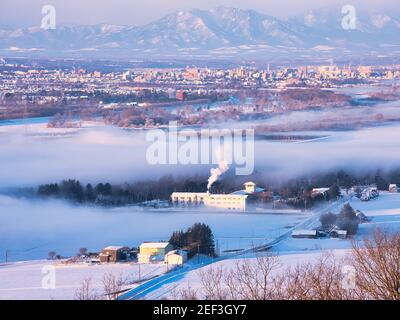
(153, 251)
(341, 234)
(178, 257)
(317, 191)
(304, 234)
(113, 254)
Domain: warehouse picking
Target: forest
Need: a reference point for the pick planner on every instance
(293, 193)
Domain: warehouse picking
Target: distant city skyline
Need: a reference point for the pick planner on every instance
(24, 13)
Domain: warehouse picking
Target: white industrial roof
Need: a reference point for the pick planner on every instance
(320, 190)
(158, 245)
(304, 232)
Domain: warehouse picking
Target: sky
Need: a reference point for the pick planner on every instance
(24, 13)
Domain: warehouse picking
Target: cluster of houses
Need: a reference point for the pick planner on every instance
(372, 192)
(369, 194)
(332, 231)
(149, 252)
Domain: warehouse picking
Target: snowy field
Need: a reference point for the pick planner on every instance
(23, 280)
(385, 214)
(45, 226)
(32, 154)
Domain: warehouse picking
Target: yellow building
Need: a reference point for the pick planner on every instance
(177, 257)
(153, 251)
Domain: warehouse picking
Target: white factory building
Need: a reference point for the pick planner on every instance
(237, 200)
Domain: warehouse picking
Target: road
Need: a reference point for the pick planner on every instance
(152, 285)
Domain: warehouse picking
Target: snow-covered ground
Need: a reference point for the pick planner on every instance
(385, 214)
(23, 280)
(34, 154)
(45, 226)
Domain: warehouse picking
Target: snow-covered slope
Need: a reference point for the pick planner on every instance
(202, 31)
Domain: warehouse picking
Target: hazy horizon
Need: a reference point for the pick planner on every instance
(25, 13)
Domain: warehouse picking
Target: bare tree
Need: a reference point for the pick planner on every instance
(212, 280)
(113, 285)
(320, 280)
(253, 281)
(51, 255)
(83, 251)
(186, 293)
(85, 291)
(377, 262)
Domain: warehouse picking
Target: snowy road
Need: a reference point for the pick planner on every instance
(151, 286)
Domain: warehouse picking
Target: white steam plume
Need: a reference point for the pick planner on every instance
(217, 172)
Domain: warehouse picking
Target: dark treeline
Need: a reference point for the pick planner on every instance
(346, 220)
(108, 194)
(295, 192)
(196, 239)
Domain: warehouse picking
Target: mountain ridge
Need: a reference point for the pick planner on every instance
(221, 31)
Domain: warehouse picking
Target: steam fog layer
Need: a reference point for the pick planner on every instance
(34, 155)
(30, 229)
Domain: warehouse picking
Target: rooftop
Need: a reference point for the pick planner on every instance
(113, 248)
(304, 232)
(244, 192)
(158, 245)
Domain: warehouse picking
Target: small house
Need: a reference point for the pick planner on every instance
(341, 234)
(113, 254)
(153, 251)
(304, 234)
(177, 257)
(393, 188)
(319, 191)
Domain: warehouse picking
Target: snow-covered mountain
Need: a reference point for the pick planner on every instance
(220, 31)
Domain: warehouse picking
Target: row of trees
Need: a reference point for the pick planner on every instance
(111, 287)
(346, 220)
(108, 194)
(196, 239)
(297, 192)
